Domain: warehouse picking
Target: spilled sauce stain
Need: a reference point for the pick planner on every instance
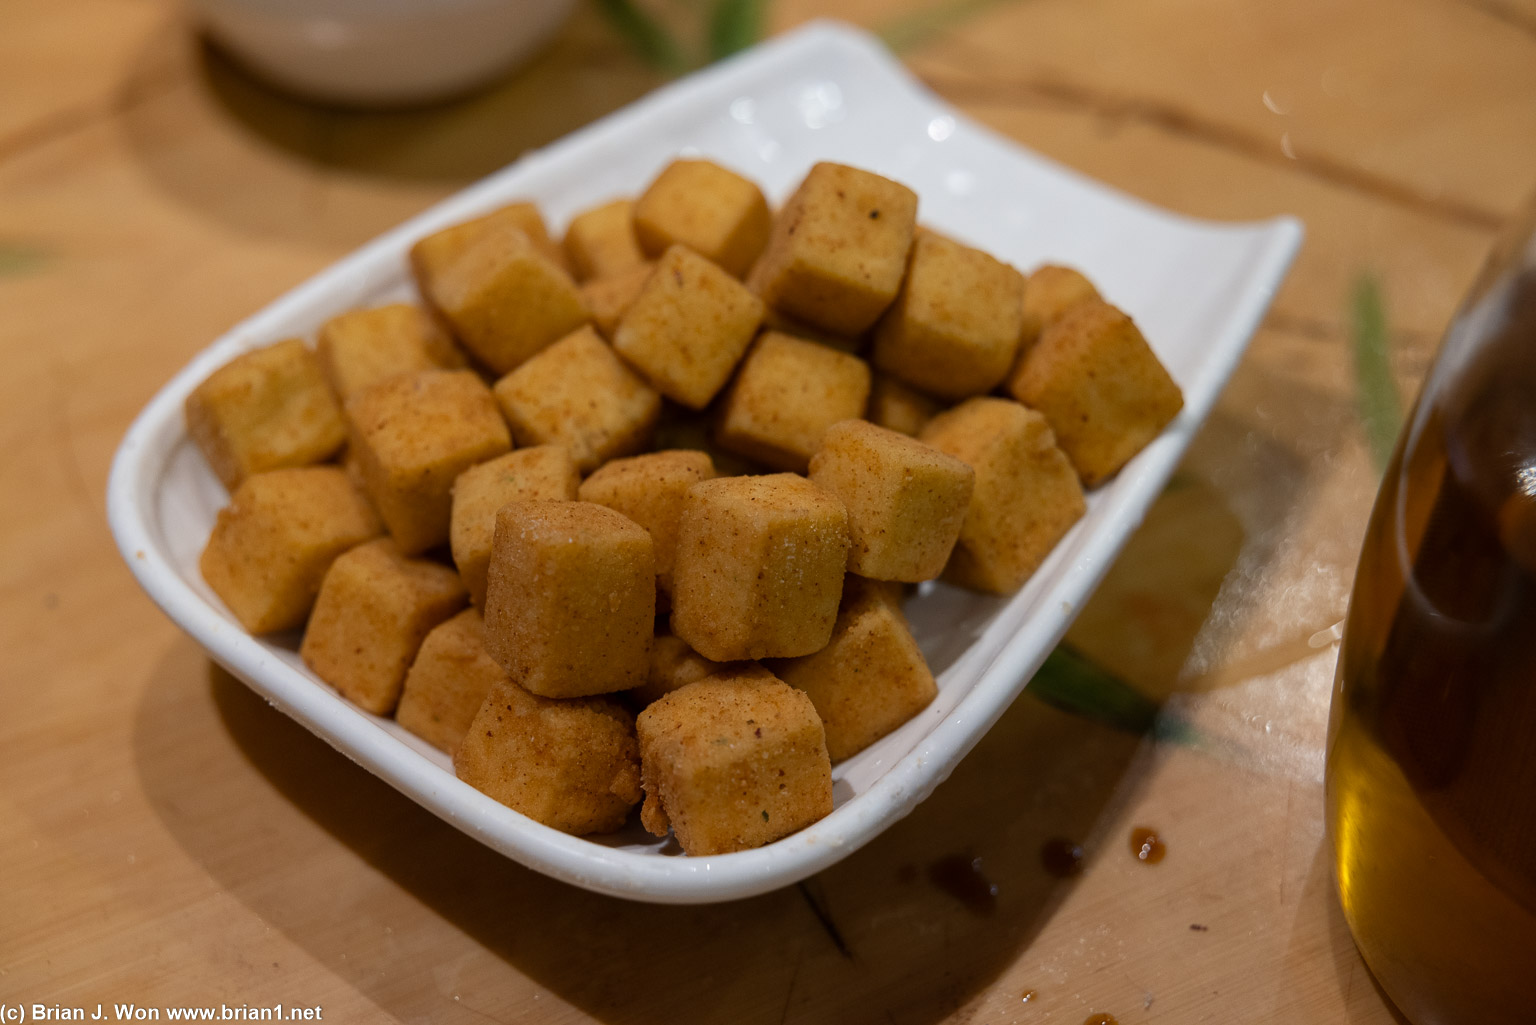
(1146, 846)
(1100, 1019)
(1061, 858)
(961, 876)
(1029, 995)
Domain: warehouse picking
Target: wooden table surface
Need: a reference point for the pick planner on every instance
(168, 839)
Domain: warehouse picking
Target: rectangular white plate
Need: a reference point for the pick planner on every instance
(825, 92)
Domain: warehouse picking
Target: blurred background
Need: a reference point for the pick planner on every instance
(172, 840)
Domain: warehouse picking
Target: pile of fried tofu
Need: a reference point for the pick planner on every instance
(630, 518)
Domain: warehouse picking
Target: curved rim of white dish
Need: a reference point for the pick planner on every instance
(142, 458)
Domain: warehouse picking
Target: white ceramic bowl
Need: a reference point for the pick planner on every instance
(381, 52)
(824, 92)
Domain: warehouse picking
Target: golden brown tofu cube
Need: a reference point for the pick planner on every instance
(675, 665)
(265, 410)
(505, 299)
(577, 393)
(838, 249)
(788, 392)
(272, 544)
(732, 762)
(1048, 293)
(773, 320)
(448, 681)
(906, 500)
(544, 472)
(1100, 385)
(688, 327)
(954, 327)
(759, 567)
(364, 347)
(434, 252)
(573, 765)
(1026, 496)
(609, 298)
(650, 490)
(870, 679)
(413, 436)
(601, 241)
(899, 407)
(715, 212)
(571, 604)
(375, 608)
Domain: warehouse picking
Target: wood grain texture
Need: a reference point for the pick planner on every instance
(172, 840)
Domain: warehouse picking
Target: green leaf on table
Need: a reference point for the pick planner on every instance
(18, 258)
(1376, 396)
(1071, 683)
(648, 37)
(922, 26)
(735, 25)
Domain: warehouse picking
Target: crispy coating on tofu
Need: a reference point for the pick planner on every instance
(759, 567)
(608, 298)
(1048, 293)
(578, 394)
(413, 435)
(571, 603)
(571, 764)
(906, 501)
(675, 665)
(870, 679)
(601, 241)
(787, 393)
(650, 490)
(1026, 495)
(954, 327)
(688, 327)
(898, 406)
(714, 211)
(267, 409)
(363, 347)
(838, 249)
(733, 761)
(1100, 385)
(431, 254)
(375, 608)
(448, 681)
(273, 543)
(541, 472)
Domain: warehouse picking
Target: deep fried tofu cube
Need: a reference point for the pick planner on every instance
(434, 252)
(505, 299)
(675, 665)
(601, 241)
(715, 212)
(375, 608)
(773, 320)
(364, 347)
(609, 298)
(272, 544)
(732, 762)
(544, 472)
(413, 436)
(838, 249)
(650, 490)
(573, 765)
(571, 603)
(906, 500)
(577, 393)
(759, 567)
(788, 392)
(897, 406)
(1048, 293)
(954, 327)
(265, 410)
(1026, 496)
(870, 679)
(448, 681)
(688, 327)
(1100, 385)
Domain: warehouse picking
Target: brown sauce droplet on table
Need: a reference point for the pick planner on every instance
(1062, 858)
(1029, 995)
(1146, 846)
(960, 876)
(1100, 1019)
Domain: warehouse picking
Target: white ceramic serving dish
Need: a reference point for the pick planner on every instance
(825, 92)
